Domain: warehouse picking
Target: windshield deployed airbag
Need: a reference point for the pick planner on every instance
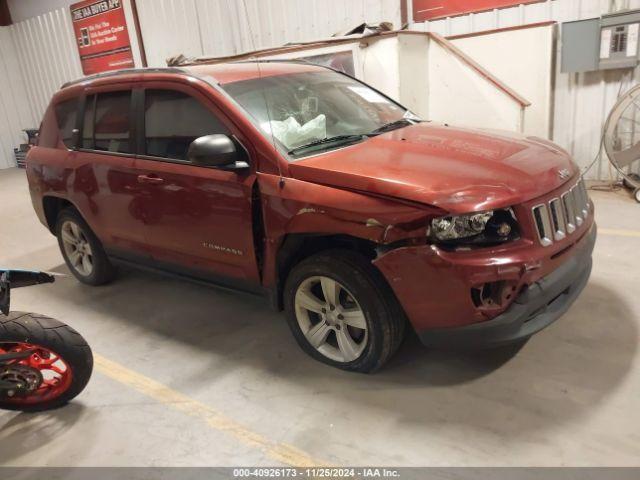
(292, 134)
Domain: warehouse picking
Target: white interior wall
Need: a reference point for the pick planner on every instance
(37, 55)
(525, 64)
(459, 96)
(15, 111)
(413, 69)
(25, 9)
(582, 101)
(380, 66)
(49, 55)
(220, 27)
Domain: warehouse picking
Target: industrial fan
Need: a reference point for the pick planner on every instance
(622, 139)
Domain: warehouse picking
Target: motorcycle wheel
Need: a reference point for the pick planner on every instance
(59, 367)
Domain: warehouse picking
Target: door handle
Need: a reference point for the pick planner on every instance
(150, 179)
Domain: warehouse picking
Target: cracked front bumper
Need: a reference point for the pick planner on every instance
(538, 306)
(433, 288)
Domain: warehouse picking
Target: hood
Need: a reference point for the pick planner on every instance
(459, 170)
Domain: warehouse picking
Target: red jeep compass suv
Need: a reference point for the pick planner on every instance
(308, 186)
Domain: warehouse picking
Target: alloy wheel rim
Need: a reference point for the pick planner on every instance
(331, 319)
(77, 248)
(55, 374)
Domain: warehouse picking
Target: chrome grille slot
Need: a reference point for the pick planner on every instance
(543, 224)
(575, 193)
(569, 211)
(584, 199)
(559, 217)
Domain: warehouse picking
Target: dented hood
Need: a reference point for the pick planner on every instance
(459, 170)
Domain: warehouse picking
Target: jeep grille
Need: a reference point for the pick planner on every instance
(561, 216)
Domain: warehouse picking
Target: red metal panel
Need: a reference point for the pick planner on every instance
(432, 9)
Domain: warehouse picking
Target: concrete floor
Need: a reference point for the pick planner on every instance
(214, 378)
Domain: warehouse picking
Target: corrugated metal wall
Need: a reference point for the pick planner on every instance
(582, 100)
(39, 55)
(48, 56)
(15, 105)
(220, 27)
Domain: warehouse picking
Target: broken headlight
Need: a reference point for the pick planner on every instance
(482, 229)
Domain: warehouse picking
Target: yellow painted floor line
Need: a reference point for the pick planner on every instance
(279, 452)
(618, 233)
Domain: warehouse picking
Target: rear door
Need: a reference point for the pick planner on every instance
(197, 219)
(105, 177)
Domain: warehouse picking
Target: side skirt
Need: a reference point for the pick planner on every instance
(197, 276)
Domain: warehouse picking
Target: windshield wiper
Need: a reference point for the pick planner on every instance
(402, 122)
(337, 138)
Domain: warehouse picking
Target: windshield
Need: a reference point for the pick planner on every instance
(314, 111)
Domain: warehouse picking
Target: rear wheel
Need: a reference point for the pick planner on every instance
(57, 368)
(81, 249)
(342, 312)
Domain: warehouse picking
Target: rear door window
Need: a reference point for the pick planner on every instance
(173, 120)
(111, 132)
(66, 115)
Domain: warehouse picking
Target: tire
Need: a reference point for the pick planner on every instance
(361, 286)
(636, 195)
(55, 336)
(101, 271)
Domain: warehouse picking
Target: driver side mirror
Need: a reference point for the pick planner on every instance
(217, 151)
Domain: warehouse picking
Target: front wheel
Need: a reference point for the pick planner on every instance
(52, 362)
(342, 312)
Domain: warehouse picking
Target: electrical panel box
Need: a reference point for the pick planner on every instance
(580, 46)
(619, 40)
(611, 41)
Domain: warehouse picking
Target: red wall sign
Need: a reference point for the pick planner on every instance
(101, 32)
(432, 9)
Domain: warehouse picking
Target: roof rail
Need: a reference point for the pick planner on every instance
(115, 73)
(280, 60)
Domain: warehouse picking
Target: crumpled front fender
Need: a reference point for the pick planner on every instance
(296, 206)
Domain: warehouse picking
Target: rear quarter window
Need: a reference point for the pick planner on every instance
(58, 123)
(66, 116)
(48, 134)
